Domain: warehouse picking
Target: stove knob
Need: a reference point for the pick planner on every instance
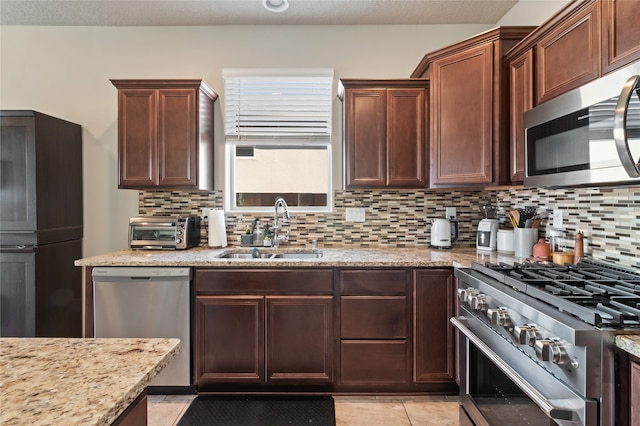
(499, 316)
(478, 302)
(464, 293)
(527, 334)
(551, 350)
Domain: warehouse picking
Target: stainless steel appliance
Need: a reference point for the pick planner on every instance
(41, 225)
(146, 302)
(173, 233)
(444, 232)
(590, 135)
(536, 341)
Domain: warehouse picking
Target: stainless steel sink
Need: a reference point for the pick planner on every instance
(301, 255)
(259, 254)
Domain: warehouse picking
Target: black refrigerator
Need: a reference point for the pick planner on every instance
(41, 225)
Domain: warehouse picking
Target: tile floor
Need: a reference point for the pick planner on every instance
(350, 410)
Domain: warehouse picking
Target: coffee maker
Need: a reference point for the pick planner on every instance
(487, 236)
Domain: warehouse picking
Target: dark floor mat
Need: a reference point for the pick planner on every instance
(259, 411)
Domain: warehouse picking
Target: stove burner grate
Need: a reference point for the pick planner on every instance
(600, 295)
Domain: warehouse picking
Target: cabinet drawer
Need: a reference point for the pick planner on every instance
(373, 362)
(264, 281)
(368, 317)
(374, 281)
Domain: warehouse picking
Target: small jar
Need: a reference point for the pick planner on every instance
(556, 239)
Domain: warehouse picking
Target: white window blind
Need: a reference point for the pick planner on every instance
(268, 104)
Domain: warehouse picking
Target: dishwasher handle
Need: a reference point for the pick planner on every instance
(123, 274)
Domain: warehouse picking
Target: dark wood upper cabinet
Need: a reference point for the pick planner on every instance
(469, 125)
(569, 54)
(165, 134)
(583, 41)
(620, 33)
(522, 95)
(385, 125)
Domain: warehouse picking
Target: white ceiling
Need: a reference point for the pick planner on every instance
(251, 12)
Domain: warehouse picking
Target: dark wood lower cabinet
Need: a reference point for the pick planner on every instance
(135, 414)
(374, 363)
(254, 342)
(229, 339)
(376, 330)
(299, 339)
(434, 346)
(627, 395)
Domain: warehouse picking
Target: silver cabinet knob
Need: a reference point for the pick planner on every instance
(527, 334)
(551, 350)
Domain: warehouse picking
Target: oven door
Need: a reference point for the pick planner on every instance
(501, 385)
(152, 235)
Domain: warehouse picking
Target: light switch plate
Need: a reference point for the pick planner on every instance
(354, 214)
(450, 212)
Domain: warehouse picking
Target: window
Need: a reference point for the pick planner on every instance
(278, 138)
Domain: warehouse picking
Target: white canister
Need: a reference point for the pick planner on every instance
(505, 241)
(523, 241)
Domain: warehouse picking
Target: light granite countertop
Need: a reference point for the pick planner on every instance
(73, 381)
(338, 257)
(629, 343)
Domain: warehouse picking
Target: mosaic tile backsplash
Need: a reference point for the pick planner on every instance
(608, 216)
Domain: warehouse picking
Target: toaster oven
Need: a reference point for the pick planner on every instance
(170, 233)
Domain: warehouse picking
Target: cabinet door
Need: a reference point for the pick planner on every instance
(299, 339)
(373, 317)
(521, 100)
(18, 293)
(620, 33)
(434, 349)
(18, 176)
(569, 55)
(634, 393)
(229, 336)
(177, 136)
(137, 138)
(461, 117)
(365, 141)
(406, 128)
(373, 363)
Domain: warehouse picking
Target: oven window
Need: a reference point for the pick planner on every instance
(149, 233)
(499, 400)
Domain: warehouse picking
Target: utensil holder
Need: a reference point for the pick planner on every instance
(523, 241)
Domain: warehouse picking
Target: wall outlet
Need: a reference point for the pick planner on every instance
(557, 219)
(354, 214)
(450, 212)
(205, 213)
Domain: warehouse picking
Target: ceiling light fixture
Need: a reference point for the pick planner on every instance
(276, 5)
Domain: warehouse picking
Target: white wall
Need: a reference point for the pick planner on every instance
(65, 72)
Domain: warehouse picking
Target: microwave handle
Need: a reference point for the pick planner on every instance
(540, 400)
(620, 125)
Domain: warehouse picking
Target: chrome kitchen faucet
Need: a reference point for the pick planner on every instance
(280, 202)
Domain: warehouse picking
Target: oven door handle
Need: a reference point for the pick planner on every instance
(549, 409)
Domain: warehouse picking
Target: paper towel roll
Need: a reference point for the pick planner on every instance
(217, 229)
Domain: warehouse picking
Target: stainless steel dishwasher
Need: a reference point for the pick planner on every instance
(146, 302)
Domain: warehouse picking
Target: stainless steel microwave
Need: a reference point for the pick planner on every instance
(588, 136)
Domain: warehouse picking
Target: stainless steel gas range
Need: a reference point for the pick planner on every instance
(536, 341)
